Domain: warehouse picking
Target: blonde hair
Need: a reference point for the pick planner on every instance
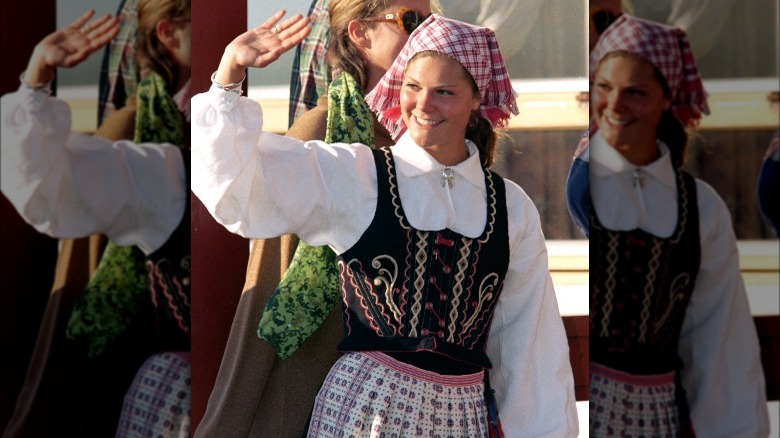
(342, 54)
(150, 52)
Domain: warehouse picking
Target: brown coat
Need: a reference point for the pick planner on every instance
(256, 394)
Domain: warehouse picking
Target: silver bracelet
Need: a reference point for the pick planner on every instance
(45, 86)
(234, 87)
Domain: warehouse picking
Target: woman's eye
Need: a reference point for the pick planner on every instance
(602, 86)
(446, 92)
(412, 86)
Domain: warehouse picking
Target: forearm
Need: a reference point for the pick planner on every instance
(229, 70)
(38, 72)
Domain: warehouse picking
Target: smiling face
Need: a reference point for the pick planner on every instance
(437, 98)
(628, 100)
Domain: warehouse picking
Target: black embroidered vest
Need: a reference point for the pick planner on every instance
(407, 290)
(640, 286)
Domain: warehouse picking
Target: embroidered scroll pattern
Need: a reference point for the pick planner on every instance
(395, 200)
(421, 259)
(351, 267)
(343, 277)
(387, 279)
(491, 189)
(612, 259)
(676, 293)
(649, 291)
(486, 288)
(457, 290)
(683, 215)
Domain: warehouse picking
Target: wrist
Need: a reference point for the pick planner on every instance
(35, 86)
(38, 72)
(233, 87)
(229, 71)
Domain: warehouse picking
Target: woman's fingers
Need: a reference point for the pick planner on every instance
(98, 24)
(83, 19)
(104, 32)
(273, 20)
(79, 43)
(295, 33)
(292, 25)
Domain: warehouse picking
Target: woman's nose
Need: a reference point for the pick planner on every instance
(425, 100)
(615, 100)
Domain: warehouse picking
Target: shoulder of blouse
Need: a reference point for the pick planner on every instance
(521, 210)
(714, 215)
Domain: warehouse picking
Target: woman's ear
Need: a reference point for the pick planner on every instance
(357, 34)
(167, 35)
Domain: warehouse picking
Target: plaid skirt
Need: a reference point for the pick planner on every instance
(629, 405)
(158, 401)
(369, 394)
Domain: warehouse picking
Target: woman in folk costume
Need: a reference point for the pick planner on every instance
(266, 385)
(673, 348)
(135, 194)
(442, 263)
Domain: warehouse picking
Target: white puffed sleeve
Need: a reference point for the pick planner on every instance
(67, 184)
(260, 185)
(531, 375)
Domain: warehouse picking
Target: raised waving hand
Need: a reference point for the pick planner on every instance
(262, 45)
(69, 46)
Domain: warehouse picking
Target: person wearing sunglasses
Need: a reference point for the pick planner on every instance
(268, 386)
(407, 19)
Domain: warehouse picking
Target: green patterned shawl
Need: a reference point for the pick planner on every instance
(309, 290)
(117, 296)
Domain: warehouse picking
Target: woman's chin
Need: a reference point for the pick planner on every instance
(421, 138)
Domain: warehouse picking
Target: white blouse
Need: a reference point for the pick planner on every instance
(722, 371)
(260, 185)
(67, 184)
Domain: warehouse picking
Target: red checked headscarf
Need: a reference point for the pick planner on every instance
(667, 48)
(474, 47)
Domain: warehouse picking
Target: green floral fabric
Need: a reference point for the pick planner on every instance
(309, 290)
(117, 295)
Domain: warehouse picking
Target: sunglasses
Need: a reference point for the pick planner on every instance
(407, 19)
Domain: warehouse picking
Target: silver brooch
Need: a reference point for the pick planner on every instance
(639, 177)
(447, 176)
